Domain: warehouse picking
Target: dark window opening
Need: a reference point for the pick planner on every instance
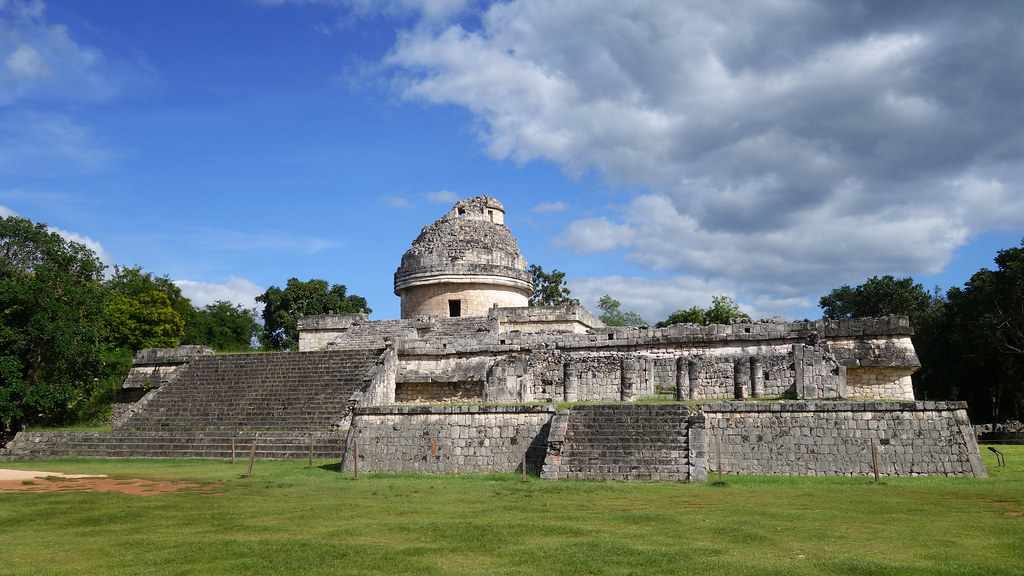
(454, 308)
(490, 215)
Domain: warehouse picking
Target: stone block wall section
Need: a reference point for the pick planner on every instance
(834, 438)
(448, 439)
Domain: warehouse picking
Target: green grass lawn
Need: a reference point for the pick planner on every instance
(287, 519)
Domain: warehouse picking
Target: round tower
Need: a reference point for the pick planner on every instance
(464, 264)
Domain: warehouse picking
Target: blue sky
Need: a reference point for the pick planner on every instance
(661, 152)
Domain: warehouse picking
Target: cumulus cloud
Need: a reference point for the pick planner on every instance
(236, 290)
(785, 147)
(6, 212)
(653, 299)
(40, 59)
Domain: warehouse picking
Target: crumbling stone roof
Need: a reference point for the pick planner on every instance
(464, 242)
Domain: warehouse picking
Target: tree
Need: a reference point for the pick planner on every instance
(144, 311)
(548, 289)
(885, 296)
(977, 350)
(223, 326)
(51, 304)
(613, 316)
(283, 307)
(722, 309)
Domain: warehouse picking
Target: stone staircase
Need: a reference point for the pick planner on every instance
(280, 400)
(179, 444)
(626, 442)
(292, 391)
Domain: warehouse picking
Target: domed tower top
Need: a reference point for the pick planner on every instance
(464, 264)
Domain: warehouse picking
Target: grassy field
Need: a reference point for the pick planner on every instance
(287, 519)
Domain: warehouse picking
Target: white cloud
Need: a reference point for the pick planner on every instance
(860, 141)
(26, 62)
(41, 59)
(653, 299)
(6, 212)
(595, 235)
(549, 207)
(236, 290)
(443, 197)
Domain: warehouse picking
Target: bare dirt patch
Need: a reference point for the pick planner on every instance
(35, 481)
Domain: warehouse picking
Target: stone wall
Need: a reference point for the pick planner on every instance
(834, 438)
(878, 382)
(448, 439)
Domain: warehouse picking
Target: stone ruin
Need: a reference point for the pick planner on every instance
(472, 379)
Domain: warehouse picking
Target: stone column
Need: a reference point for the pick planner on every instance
(682, 379)
(692, 376)
(756, 377)
(798, 371)
(631, 367)
(740, 377)
(570, 383)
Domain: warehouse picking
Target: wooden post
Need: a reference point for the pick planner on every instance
(524, 465)
(355, 459)
(252, 456)
(310, 451)
(232, 450)
(874, 457)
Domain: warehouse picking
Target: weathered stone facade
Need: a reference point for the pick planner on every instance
(469, 378)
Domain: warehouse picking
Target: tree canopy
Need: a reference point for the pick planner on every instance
(51, 307)
(721, 310)
(282, 309)
(144, 311)
(223, 326)
(885, 296)
(614, 316)
(548, 288)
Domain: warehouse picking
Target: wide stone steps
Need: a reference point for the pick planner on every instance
(634, 442)
(177, 444)
(294, 391)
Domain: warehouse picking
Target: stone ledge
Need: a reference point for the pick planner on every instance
(415, 410)
(832, 406)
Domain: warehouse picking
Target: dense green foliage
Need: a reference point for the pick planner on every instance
(721, 310)
(548, 288)
(223, 326)
(885, 296)
(68, 334)
(144, 311)
(51, 309)
(282, 309)
(970, 341)
(289, 519)
(971, 345)
(612, 315)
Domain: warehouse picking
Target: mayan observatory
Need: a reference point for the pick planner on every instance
(472, 379)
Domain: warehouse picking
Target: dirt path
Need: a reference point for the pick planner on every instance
(36, 481)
